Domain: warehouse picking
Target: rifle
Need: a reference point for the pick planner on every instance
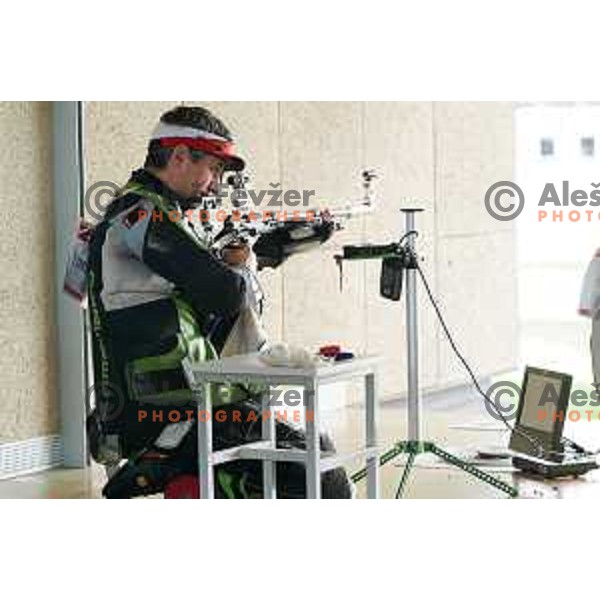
(243, 226)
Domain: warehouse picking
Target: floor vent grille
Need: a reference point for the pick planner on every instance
(30, 456)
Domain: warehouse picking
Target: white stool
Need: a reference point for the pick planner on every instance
(249, 369)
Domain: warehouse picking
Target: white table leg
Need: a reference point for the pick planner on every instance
(205, 442)
(371, 431)
(268, 434)
(313, 447)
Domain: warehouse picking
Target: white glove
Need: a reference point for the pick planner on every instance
(283, 355)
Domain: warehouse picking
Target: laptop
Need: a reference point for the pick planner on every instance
(537, 440)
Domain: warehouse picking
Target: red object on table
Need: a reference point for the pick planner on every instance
(330, 351)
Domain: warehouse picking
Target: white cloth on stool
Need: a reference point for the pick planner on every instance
(283, 355)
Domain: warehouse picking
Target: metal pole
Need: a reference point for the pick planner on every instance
(313, 442)
(70, 344)
(371, 431)
(414, 400)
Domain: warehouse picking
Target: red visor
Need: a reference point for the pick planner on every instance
(218, 148)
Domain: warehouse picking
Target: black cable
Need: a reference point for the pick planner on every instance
(531, 439)
(411, 232)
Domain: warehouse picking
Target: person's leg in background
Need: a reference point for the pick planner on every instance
(595, 350)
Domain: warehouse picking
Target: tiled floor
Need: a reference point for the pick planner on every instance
(448, 418)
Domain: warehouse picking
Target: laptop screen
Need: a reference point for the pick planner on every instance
(541, 402)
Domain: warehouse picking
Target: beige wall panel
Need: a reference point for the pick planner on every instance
(399, 145)
(116, 137)
(474, 147)
(475, 255)
(28, 400)
(478, 299)
(321, 146)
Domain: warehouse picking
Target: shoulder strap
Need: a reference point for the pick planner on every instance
(160, 203)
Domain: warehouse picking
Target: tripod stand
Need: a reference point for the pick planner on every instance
(397, 259)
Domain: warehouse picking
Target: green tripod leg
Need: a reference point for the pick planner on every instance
(383, 459)
(413, 448)
(397, 449)
(473, 470)
(412, 453)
